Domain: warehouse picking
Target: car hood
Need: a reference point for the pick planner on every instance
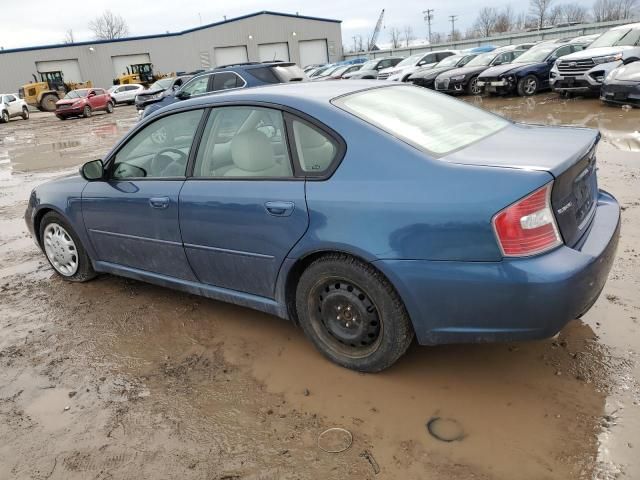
(361, 73)
(68, 101)
(464, 70)
(508, 68)
(594, 52)
(430, 73)
(550, 149)
(151, 92)
(628, 73)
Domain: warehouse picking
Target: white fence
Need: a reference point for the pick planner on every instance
(498, 40)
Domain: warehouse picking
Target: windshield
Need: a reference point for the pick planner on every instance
(77, 94)
(451, 61)
(412, 60)
(537, 54)
(161, 84)
(370, 65)
(616, 38)
(482, 60)
(436, 123)
(328, 71)
(289, 73)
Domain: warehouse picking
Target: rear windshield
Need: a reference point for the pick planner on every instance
(427, 120)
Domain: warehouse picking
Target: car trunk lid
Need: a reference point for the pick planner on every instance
(567, 153)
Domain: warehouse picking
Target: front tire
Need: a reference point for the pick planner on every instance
(86, 112)
(48, 102)
(25, 113)
(4, 118)
(63, 249)
(352, 314)
(473, 88)
(528, 86)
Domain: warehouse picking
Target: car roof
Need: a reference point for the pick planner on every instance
(286, 93)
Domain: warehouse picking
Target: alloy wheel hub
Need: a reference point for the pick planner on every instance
(60, 249)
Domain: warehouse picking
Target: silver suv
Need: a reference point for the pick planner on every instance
(585, 71)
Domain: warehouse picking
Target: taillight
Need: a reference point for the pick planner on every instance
(528, 226)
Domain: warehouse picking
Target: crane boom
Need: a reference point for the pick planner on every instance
(376, 32)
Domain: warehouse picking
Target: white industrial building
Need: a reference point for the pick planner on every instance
(260, 36)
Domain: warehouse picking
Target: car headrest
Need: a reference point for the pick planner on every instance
(252, 151)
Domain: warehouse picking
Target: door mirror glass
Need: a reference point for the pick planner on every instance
(91, 94)
(552, 59)
(93, 170)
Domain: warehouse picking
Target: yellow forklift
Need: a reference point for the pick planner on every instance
(141, 73)
(44, 94)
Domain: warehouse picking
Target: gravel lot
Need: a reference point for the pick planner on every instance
(119, 379)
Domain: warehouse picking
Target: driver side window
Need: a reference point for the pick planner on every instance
(160, 150)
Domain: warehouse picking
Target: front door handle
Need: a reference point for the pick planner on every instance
(159, 202)
(279, 209)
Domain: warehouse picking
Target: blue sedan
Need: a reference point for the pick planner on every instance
(367, 214)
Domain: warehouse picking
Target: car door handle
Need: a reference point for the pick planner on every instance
(279, 209)
(159, 202)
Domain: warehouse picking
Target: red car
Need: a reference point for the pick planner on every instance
(83, 102)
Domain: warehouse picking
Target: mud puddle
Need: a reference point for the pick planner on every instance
(119, 379)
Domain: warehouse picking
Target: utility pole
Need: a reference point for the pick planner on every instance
(453, 19)
(355, 45)
(428, 17)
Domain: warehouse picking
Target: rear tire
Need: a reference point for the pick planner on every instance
(528, 86)
(62, 248)
(352, 314)
(109, 107)
(25, 113)
(48, 102)
(86, 112)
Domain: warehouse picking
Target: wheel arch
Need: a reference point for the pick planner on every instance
(37, 220)
(291, 275)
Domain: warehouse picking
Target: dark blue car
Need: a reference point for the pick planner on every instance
(365, 213)
(242, 75)
(529, 73)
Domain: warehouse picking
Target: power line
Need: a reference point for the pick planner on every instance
(428, 17)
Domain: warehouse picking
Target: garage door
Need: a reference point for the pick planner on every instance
(229, 55)
(121, 62)
(70, 69)
(312, 52)
(269, 52)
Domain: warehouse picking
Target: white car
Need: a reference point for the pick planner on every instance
(403, 70)
(12, 106)
(125, 93)
(586, 70)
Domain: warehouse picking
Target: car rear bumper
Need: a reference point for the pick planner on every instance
(515, 299)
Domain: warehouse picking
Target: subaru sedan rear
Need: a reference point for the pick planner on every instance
(367, 214)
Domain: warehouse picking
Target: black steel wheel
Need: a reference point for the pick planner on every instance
(352, 313)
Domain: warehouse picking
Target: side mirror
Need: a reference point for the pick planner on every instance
(92, 171)
(552, 60)
(91, 94)
(182, 95)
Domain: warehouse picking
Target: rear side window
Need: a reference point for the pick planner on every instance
(431, 122)
(315, 149)
(265, 74)
(226, 80)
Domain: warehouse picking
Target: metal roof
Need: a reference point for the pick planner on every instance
(174, 34)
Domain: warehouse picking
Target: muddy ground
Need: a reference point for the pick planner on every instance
(119, 379)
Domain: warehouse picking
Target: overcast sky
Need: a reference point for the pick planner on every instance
(22, 26)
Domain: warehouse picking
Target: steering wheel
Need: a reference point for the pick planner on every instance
(161, 160)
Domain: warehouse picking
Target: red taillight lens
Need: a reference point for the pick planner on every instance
(528, 226)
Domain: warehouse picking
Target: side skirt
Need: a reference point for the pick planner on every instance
(256, 302)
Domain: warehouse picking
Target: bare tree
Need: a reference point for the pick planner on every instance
(455, 36)
(486, 21)
(408, 35)
(555, 15)
(575, 12)
(505, 20)
(395, 37)
(436, 37)
(109, 26)
(607, 10)
(68, 36)
(520, 22)
(539, 10)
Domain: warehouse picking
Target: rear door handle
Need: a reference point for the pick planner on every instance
(159, 202)
(279, 209)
